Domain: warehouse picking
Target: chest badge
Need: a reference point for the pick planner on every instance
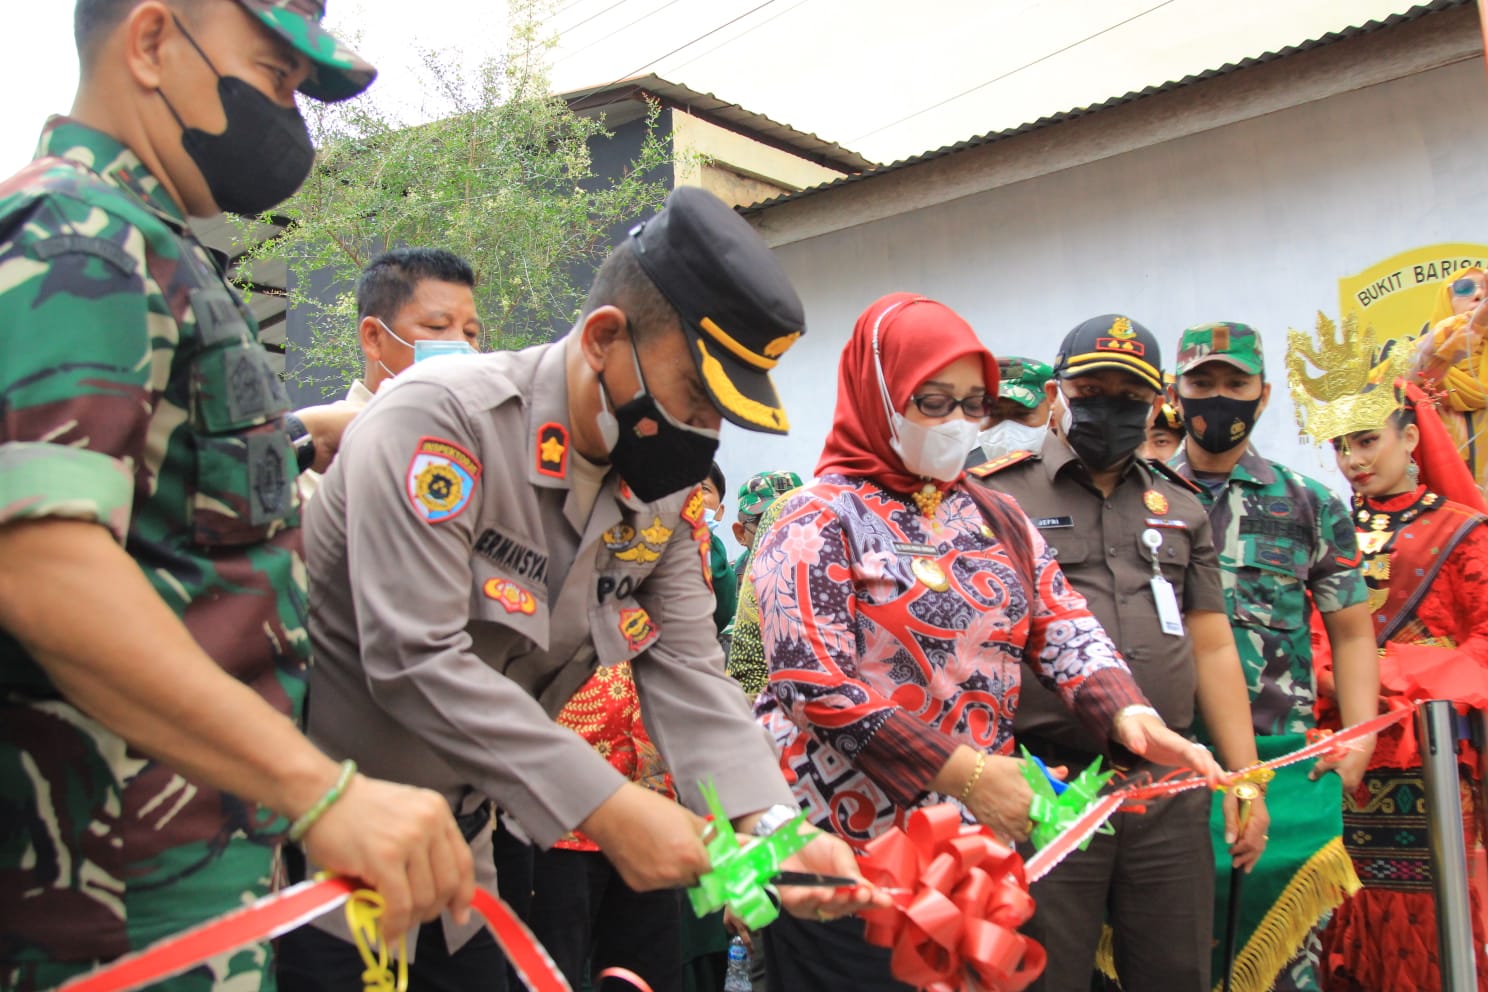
(929, 572)
(512, 597)
(637, 628)
(648, 549)
(1155, 501)
(619, 537)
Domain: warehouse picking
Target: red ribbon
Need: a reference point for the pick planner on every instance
(967, 897)
(294, 907)
(1044, 861)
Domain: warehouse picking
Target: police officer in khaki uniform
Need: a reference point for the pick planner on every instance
(1135, 542)
(497, 526)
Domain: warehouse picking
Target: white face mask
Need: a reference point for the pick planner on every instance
(396, 337)
(1010, 436)
(937, 452)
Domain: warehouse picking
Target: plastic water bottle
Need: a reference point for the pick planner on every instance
(737, 978)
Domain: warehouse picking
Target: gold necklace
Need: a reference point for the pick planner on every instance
(928, 499)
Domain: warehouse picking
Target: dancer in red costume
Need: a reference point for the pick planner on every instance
(1420, 519)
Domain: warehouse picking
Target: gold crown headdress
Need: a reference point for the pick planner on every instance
(1356, 391)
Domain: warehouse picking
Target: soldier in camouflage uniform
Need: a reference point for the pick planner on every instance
(153, 647)
(1286, 546)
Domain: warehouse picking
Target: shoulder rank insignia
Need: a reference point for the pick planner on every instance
(998, 464)
(552, 450)
(441, 479)
(1168, 472)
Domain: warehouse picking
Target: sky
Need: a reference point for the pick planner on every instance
(868, 74)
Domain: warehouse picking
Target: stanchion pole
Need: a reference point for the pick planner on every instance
(1480, 741)
(1438, 739)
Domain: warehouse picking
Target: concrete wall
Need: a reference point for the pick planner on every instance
(1253, 221)
(740, 170)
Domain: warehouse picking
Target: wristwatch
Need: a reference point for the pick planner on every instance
(301, 440)
(774, 818)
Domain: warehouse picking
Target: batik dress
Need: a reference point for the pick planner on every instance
(1426, 565)
(893, 637)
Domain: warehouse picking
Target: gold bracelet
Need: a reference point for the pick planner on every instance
(976, 773)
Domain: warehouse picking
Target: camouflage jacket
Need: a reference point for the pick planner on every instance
(1280, 536)
(134, 394)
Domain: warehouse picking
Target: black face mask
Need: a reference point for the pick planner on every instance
(654, 454)
(1103, 430)
(1218, 423)
(263, 154)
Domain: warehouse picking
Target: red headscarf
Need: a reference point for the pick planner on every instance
(916, 338)
(1442, 469)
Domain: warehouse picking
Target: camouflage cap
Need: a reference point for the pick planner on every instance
(757, 492)
(338, 73)
(1022, 380)
(1225, 341)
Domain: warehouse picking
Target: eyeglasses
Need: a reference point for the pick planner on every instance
(976, 406)
(1466, 286)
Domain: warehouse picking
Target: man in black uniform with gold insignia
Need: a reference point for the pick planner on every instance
(1136, 543)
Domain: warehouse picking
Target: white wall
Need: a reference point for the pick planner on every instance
(1253, 221)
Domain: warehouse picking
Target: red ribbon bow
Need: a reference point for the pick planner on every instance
(958, 921)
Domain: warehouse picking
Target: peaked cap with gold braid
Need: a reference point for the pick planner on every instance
(1356, 390)
(737, 307)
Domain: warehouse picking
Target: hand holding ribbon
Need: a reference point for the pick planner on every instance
(1056, 805)
(740, 873)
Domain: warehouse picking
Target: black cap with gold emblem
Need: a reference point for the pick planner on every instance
(1110, 341)
(738, 309)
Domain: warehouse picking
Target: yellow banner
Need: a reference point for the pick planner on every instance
(1396, 296)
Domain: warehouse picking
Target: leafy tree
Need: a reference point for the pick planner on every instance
(506, 181)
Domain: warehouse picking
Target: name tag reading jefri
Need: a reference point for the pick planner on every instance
(1047, 523)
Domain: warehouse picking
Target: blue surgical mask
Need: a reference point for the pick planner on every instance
(424, 348)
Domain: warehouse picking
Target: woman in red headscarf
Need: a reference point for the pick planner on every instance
(896, 608)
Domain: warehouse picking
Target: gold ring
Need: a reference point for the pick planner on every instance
(822, 917)
(1265, 836)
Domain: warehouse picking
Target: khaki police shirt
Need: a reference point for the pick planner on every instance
(1098, 541)
(445, 649)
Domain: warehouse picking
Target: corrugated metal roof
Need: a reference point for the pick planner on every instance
(1414, 13)
(730, 115)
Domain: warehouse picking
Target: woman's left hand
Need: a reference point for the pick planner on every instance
(1147, 737)
(828, 855)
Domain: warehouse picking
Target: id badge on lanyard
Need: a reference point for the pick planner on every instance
(1169, 617)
